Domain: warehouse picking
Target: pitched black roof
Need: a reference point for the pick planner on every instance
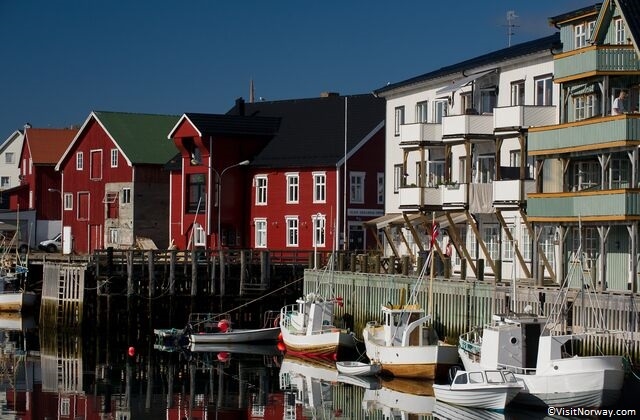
(525, 48)
(233, 124)
(631, 11)
(312, 130)
(595, 8)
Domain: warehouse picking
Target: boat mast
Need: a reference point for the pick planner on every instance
(431, 269)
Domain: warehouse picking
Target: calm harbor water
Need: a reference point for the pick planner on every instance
(110, 368)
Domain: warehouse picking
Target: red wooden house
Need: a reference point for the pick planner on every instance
(299, 198)
(208, 178)
(36, 200)
(115, 190)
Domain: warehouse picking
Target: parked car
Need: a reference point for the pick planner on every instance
(51, 245)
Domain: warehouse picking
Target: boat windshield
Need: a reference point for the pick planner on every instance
(509, 377)
(494, 377)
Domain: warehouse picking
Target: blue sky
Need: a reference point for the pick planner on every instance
(63, 59)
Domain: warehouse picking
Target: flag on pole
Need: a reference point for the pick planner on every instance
(435, 231)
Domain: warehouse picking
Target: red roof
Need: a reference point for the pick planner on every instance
(48, 144)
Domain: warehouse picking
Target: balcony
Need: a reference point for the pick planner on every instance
(412, 134)
(597, 205)
(592, 134)
(604, 59)
(454, 197)
(511, 193)
(458, 127)
(418, 197)
(514, 118)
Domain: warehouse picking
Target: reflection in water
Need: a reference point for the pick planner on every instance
(51, 372)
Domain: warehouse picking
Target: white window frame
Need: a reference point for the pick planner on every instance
(585, 106)
(356, 187)
(199, 235)
(485, 168)
(319, 187)
(319, 223)
(9, 158)
(440, 110)
(398, 178)
(508, 250)
(293, 230)
(436, 173)
(422, 113)
(260, 238)
(79, 161)
(491, 235)
(543, 90)
(293, 188)
(620, 31)
(399, 119)
(262, 183)
(579, 36)
(5, 181)
(113, 236)
(517, 93)
(68, 201)
(114, 158)
(488, 100)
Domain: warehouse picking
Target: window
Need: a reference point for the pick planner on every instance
(199, 235)
(292, 231)
(380, 188)
(586, 175)
(319, 187)
(113, 236)
(517, 93)
(473, 244)
(515, 159)
(293, 188)
(585, 106)
(126, 196)
(4, 182)
(591, 26)
(196, 193)
(96, 164)
(79, 161)
(544, 90)
(488, 100)
(261, 190)
(486, 167)
(421, 111)
(9, 158)
(357, 187)
(261, 233)
(83, 206)
(621, 38)
(620, 172)
(579, 36)
(65, 406)
(490, 235)
(398, 178)
(68, 201)
(114, 158)
(399, 120)
(525, 246)
(436, 172)
(466, 100)
(507, 245)
(439, 111)
(462, 169)
(319, 223)
(111, 201)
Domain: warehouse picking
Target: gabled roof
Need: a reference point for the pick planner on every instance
(630, 10)
(574, 14)
(141, 138)
(13, 137)
(312, 131)
(492, 58)
(48, 144)
(230, 125)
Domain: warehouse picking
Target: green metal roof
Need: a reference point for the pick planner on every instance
(141, 137)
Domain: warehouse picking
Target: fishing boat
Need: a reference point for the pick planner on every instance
(217, 329)
(543, 356)
(489, 389)
(13, 296)
(358, 368)
(406, 343)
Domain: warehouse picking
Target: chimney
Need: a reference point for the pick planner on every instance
(240, 106)
(328, 94)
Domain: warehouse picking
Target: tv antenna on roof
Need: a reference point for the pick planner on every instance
(511, 17)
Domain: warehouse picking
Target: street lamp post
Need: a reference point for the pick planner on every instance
(219, 195)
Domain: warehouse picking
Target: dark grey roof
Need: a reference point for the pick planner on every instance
(233, 124)
(525, 48)
(595, 8)
(312, 130)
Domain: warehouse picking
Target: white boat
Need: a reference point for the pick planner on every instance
(358, 368)
(407, 345)
(444, 411)
(17, 301)
(550, 374)
(488, 389)
(308, 331)
(540, 351)
(217, 329)
(366, 382)
(265, 349)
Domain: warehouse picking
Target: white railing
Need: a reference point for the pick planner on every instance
(458, 125)
(512, 191)
(420, 132)
(454, 195)
(523, 116)
(420, 196)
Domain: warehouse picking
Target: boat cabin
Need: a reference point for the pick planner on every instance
(407, 326)
(465, 379)
(313, 315)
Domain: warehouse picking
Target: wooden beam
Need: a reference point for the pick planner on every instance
(459, 244)
(412, 229)
(389, 236)
(516, 249)
(483, 246)
(532, 234)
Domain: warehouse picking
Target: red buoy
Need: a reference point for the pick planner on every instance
(280, 346)
(223, 356)
(280, 337)
(131, 351)
(223, 325)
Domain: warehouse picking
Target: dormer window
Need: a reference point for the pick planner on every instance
(621, 38)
